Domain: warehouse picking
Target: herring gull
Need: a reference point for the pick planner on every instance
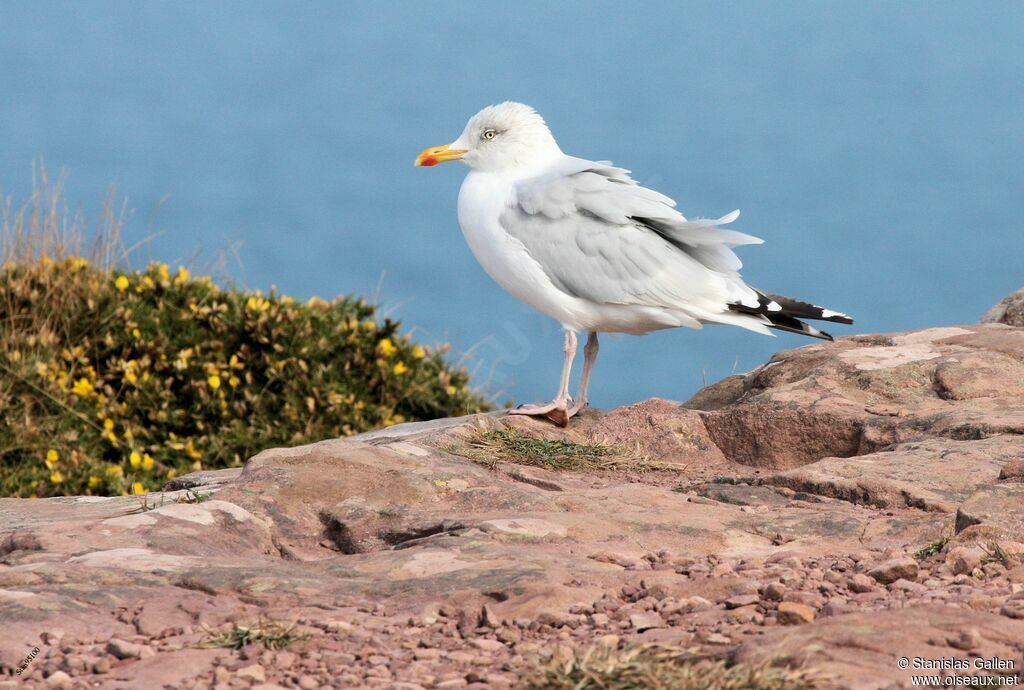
(582, 242)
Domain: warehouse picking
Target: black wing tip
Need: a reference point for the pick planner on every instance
(800, 309)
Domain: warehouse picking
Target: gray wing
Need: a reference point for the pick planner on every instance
(602, 237)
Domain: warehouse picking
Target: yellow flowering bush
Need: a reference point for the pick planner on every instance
(114, 381)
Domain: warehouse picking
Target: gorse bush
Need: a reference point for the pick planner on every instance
(113, 381)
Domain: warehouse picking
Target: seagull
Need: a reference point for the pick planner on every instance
(584, 243)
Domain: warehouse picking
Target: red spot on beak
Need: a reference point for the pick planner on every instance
(428, 161)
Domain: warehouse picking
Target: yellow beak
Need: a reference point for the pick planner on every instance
(438, 154)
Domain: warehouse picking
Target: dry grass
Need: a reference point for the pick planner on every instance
(270, 634)
(43, 228)
(508, 445)
(651, 667)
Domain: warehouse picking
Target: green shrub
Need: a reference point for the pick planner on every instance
(113, 381)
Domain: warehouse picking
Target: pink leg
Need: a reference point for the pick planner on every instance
(589, 357)
(558, 409)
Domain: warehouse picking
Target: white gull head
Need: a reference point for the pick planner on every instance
(499, 138)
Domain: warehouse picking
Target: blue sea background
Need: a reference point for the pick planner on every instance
(875, 146)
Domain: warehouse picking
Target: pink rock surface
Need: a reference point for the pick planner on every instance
(796, 494)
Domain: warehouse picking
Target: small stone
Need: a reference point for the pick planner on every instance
(129, 650)
(745, 614)
(646, 621)
(59, 679)
(860, 583)
(308, 683)
(964, 559)
(966, 640)
(486, 645)
(890, 571)
(774, 591)
(101, 665)
(426, 654)
(741, 600)
(812, 599)
(75, 663)
(51, 637)
(1013, 470)
(488, 618)
(695, 603)
(609, 641)
(794, 613)
(254, 671)
(716, 638)
(902, 585)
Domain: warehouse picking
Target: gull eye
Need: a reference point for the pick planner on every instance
(489, 134)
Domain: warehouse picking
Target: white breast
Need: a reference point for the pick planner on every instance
(482, 199)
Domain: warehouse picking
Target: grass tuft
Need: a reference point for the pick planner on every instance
(509, 445)
(114, 380)
(270, 634)
(932, 549)
(650, 667)
(994, 553)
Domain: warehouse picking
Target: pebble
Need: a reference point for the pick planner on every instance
(741, 600)
(487, 645)
(59, 679)
(898, 568)
(129, 650)
(646, 621)
(860, 583)
(253, 671)
(795, 613)
(774, 591)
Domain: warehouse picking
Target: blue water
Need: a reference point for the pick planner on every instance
(876, 146)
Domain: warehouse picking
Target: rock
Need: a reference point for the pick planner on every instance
(646, 621)
(404, 558)
(792, 613)
(964, 559)
(997, 506)
(487, 645)
(252, 671)
(741, 600)
(895, 569)
(881, 638)
(966, 640)
(902, 585)
(1013, 471)
(1009, 311)
(129, 650)
(59, 679)
(860, 582)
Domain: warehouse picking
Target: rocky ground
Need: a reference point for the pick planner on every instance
(838, 508)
